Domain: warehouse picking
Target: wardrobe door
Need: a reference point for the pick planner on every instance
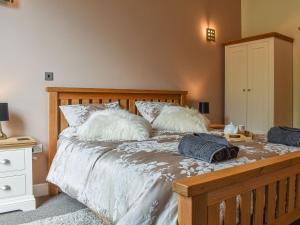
(259, 87)
(236, 84)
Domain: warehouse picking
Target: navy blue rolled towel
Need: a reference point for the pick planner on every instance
(284, 135)
(207, 147)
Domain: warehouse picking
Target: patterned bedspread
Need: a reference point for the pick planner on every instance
(130, 183)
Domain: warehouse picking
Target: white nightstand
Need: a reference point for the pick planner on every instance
(16, 174)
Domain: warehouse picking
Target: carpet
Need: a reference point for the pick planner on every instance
(59, 210)
(81, 217)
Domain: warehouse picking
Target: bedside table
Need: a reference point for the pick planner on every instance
(216, 126)
(16, 174)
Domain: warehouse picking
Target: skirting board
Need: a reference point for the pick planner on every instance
(40, 190)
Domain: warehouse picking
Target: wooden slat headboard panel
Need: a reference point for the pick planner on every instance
(127, 98)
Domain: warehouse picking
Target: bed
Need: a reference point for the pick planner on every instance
(267, 189)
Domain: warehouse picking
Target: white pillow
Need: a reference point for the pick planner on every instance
(180, 119)
(77, 114)
(114, 124)
(150, 110)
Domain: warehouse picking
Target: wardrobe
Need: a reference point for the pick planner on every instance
(259, 82)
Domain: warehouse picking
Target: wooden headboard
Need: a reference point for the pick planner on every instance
(127, 98)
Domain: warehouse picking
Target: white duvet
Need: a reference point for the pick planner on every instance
(130, 183)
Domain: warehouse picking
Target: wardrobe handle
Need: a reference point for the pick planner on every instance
(6, 188)
(244, 90)
(5, 162)
(249, 89)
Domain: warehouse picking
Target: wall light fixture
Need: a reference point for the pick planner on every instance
(210, 34)
(6, 1)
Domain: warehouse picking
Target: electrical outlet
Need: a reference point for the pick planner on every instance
(49, 76)
(37, 148)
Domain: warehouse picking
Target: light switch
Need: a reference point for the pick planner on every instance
(49, 76)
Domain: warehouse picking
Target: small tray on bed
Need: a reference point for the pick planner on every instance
(246, 136)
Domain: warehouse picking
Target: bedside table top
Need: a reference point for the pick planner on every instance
(216, 126)
(17, 142)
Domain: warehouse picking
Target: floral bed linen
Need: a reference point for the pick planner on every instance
(130, 183)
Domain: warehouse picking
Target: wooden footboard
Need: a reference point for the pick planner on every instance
(264, 192)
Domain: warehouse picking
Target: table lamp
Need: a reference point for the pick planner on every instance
(204, 107)
(3, 117)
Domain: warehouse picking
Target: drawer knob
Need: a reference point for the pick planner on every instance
(5, 162)
(6, 188)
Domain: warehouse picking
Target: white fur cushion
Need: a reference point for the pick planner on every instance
(114, 124)
(77, 114)
(180, 119)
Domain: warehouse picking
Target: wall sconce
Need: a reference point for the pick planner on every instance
(210, 34)
(7, 1)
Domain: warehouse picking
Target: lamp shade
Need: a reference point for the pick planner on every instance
(204, 107)
(4, 116)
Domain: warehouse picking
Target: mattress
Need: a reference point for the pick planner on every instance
(130, 182)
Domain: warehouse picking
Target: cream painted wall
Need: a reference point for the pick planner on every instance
(148, 44)
(262, 16)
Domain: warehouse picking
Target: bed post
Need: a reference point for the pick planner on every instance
(189, 209)
(52, 134)
(183, 99)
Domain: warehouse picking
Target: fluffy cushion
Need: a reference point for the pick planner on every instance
(150, 110)
(114, 124)
(180, 119)
(76, 115)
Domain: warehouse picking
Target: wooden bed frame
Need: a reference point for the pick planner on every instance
(269, 190)
(66, 96)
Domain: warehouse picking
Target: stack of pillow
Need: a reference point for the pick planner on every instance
(110, 122)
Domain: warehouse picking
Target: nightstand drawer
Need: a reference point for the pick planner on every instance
(12, 160)
(12, 186)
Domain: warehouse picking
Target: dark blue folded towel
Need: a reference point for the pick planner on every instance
(284, 135)
(207, 147)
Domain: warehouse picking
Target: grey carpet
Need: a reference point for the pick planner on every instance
(80, 217)
(59, 205)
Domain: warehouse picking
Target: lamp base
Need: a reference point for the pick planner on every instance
(3, 136)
